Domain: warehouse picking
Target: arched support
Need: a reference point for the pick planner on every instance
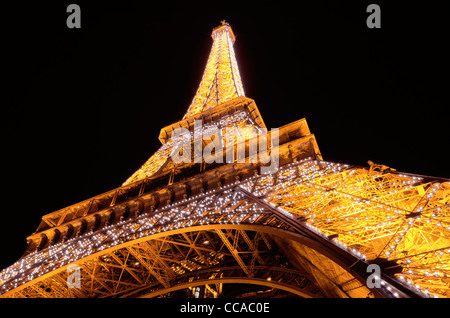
(234, 214)
(233, 280)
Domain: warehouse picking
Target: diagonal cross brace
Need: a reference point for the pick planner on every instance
(233, 252)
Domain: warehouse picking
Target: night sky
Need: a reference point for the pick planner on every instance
(82, 108)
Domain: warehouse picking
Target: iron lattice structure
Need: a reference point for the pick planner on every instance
(310, 229)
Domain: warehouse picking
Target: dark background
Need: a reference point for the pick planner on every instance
(82, 108)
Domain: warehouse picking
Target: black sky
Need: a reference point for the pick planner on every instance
(82, 108)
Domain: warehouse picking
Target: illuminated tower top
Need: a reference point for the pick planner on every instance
(221, 81)
(220, 85)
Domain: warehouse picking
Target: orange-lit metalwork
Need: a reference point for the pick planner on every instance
(310, 229)
(221, 80)
(221, 83)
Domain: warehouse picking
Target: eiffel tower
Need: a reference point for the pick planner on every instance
(234, 228)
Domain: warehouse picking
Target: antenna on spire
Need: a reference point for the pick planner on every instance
(224, 26)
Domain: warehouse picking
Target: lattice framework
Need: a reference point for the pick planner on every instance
(352, 216)
(362, 213)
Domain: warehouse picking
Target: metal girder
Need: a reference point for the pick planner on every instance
(233, 250)
(105, 275)
(231, 276)
(394, 216)
(150, 268)
(217, 214)
(139, 240)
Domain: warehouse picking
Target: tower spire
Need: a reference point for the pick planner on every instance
(221, 81)
(309, 227)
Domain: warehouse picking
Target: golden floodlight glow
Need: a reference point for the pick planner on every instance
(310, 228)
